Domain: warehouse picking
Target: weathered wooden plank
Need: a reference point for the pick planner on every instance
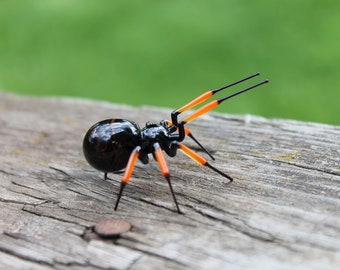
(281, 211)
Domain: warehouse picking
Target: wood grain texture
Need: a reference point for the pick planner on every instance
(281, 212)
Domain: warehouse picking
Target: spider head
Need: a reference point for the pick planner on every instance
(153, 133)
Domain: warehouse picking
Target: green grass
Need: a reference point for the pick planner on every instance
(164, 53)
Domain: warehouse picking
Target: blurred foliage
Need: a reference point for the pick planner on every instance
(164, 53)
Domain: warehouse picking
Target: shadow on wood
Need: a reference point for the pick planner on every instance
(282, 210)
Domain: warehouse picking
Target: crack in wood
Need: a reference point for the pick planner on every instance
(27, 255)
(309, 168)
(151, 251)
(62, 172)
(32, 210)
(22, 253)
(7, 173)
(157, 204)
(233, 221)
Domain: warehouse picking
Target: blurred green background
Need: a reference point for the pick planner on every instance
(164, 53)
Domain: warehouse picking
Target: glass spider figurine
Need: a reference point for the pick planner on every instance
(114, 144)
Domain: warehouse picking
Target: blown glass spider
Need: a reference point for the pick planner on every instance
(114, 144)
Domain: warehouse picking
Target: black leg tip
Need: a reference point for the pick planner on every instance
(179, 212)
(122, 185)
